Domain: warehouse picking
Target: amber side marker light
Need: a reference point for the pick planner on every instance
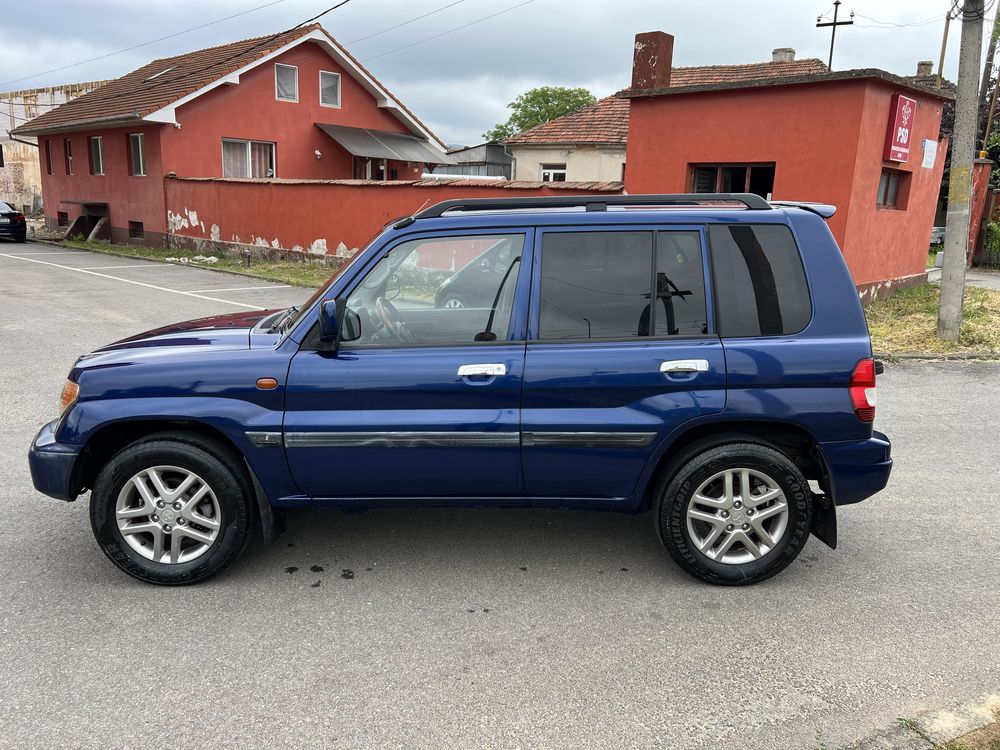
(267, 384)
(68, 397)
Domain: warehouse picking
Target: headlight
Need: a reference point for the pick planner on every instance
(68, 397)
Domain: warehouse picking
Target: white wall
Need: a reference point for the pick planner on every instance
(583, 163)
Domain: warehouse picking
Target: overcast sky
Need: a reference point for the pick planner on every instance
(460, 83)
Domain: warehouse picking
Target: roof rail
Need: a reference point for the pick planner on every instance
(592, 202)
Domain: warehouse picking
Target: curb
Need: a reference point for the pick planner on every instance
(932, 728)
(57, 243)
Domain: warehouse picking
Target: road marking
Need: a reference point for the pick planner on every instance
(243, 288)
(61, 252)
(131, 281)
(138, 265)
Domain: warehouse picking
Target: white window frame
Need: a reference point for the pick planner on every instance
(97, 165)
(137, 170)
(245, 142)
(340, 83)
(276, 95)
(547, 171)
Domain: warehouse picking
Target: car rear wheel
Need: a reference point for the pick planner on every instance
(735, 514)
(171, 509)
(453, 301)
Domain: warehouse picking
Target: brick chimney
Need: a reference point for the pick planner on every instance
(783, 54)
(925, 68)
(652, 60)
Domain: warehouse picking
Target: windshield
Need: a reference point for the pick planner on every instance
(318, 294)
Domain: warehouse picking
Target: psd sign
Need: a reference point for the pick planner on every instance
(899, 133)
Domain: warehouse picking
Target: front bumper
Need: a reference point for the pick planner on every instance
(858, 468)
(52, 463)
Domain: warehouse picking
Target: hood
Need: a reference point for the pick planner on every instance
(228, 331)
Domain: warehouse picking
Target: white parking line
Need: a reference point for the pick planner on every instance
(139, 265)
(131, 281)
(242, 288)
(60, 252)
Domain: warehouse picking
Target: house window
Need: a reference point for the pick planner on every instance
(247, 158)
(329, 89)
(135, 230)
(286, 83)
(96, 154)
(137, 154)
(733, 178)
(1, 154)
(553, 173)
(62, 218)
(68, 155)
(892, 189)
(48, 157)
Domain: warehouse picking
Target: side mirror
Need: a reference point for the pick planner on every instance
(392, 287)
(337, 323)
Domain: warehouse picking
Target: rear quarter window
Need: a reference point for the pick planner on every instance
(760, 285)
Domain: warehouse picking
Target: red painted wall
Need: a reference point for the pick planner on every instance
(250, 111)
(826, 142)
(129, 198)
(313, 215)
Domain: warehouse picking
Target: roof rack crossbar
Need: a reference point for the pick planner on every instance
(592, 202)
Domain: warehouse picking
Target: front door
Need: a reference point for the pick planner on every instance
(620, 353)
(425, 404)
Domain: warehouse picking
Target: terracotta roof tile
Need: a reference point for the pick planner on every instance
(606, 121)
(161, 82)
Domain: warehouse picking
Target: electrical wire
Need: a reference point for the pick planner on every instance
(893, 25)
(449, 31)
(405, 23)
(143, 44)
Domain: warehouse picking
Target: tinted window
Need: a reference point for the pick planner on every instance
(759, 282)
(445, 290)
(597, 285)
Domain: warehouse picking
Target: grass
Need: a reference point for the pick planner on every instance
(984, 738)
(906, 322)
(294, 272)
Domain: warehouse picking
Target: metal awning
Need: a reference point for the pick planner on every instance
(381, 144)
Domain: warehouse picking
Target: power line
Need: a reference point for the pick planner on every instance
(143, 44)
(404, 23)
(449, 31)
(893, 25)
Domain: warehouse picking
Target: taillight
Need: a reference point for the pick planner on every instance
(18, 218)
(862, 390)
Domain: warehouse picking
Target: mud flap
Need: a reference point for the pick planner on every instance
(272, 524)
(824, 520)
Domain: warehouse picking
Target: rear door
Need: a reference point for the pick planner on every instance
(621, 351)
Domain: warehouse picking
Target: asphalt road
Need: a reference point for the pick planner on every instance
(479, 628)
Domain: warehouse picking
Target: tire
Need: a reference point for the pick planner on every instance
(200, 533)
(22, 238)
(453, 300)
(777, 528)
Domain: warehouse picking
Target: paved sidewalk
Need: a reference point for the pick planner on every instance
(983, 279)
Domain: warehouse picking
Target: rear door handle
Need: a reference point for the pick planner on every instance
(682, 366)
(491, 370)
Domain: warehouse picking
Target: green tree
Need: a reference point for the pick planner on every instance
(539, 105)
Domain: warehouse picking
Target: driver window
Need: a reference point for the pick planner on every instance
(444, 290)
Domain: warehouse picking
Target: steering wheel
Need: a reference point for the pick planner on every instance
(390, 318)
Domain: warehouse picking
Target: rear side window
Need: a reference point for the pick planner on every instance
(759, 283)
(611, 285)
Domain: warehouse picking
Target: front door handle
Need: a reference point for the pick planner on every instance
(491, 370)
(684, 366)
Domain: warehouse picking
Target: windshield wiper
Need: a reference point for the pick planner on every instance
(284, 318)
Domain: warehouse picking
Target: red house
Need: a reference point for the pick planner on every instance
(867, 141)
(292, 105)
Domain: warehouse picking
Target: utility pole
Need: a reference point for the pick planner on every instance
(944, 45)
(956, 243)
(820, 23)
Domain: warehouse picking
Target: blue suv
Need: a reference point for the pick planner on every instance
(702, 356)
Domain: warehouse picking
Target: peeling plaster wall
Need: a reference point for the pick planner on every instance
(315, 218)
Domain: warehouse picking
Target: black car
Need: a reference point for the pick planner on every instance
(12, 223)
(483, 273)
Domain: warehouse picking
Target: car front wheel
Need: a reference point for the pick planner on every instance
(171, 509)
(735, 514)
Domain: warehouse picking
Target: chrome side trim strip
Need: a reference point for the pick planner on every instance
(265, 439)
(407, 439)
(587, 439)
